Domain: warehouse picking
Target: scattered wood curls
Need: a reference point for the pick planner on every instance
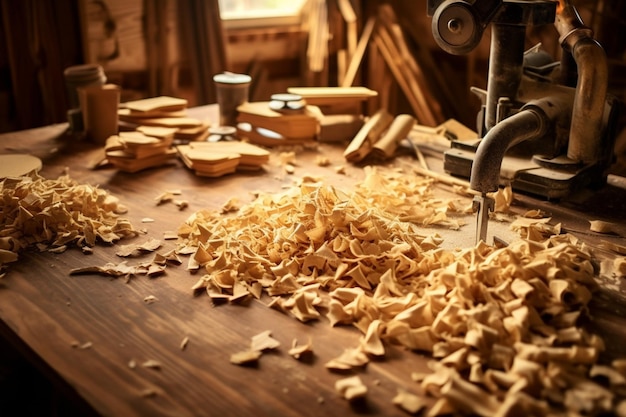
(170, 196)
(409, 402)
(151, 268)
(604, 227)
(501, 324)
(301, 352)
(54, 214)
(351, 388)
(260, 343)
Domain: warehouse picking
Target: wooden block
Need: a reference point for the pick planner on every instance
(179, 122)
(302, 125)
(369, 134)
(137, 138)
(208, 163)
(158, 131)
(134, 116)
(269, 138)
(194, 133)
(131, 164)
(397, 131)
(251, 155)
(320, 96)
(161, 103)
(340, 127)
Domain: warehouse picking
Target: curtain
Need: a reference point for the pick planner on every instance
(203, 44)
(40, 40)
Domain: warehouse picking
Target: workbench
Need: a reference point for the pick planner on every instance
(84, 331)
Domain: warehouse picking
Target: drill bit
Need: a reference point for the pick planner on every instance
(482, 205)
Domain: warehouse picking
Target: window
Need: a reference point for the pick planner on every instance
(246, 13)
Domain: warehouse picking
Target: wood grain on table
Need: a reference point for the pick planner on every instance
(94, 334)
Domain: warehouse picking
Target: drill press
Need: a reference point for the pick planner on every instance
(538, 130)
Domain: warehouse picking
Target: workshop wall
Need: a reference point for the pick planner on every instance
(141, 44)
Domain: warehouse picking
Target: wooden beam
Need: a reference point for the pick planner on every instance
(357, 56)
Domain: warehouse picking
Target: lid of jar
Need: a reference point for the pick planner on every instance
(83, 72)
(18, 165)
(231, 78)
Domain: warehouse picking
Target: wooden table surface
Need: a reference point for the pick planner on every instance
(49, 314)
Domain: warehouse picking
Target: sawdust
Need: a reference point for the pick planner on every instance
(52, 214)
(501, 324)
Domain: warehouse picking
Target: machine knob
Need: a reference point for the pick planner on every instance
(456, 27)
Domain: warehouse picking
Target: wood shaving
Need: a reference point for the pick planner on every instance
(109, 269)
(149, 393)
(351, 388)
(349, 359)
(322, 161)
(264, 341)
(167, 197)
(601, 226)
(184, 343)
(152, 268)
(55, 214)
(501, 324)
(247, 357)
(137, 249)
(301, 351)
(287, 158)
(181, 204)
(503, 199)
(290, 169)
(170, 235)
(409, 402)
(150, 299)
(340, 169)
(232, 205)
(82, 346)
(152, 364)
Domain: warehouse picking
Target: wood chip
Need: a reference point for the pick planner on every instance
(301, 352)
(499, 322)
(247, 357)
(264, 341)
(152, 364)
(351, 388)
(55, 214)
(409, 402)
(350, 358)
(184, 343)
(601, 226)
(150, 299)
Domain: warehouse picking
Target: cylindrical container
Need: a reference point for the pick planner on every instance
(80, 76)
(232, 91)
(99, 106)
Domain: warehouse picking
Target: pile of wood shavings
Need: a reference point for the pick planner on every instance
(52, 214)
(501, 324)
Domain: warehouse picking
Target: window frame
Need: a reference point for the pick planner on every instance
(238, 20)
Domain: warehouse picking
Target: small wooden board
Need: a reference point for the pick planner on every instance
(160, 103)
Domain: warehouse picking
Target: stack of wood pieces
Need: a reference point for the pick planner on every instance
(263, 126)
(163, 111)
(146, 147)
(214, 159)
(407, 71)
(335, 100)
(342, 109)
